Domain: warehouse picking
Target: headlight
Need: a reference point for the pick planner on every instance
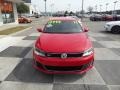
(39, 52)
(108, 25)
(88, 52)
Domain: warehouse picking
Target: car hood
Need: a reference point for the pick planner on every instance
(114, 22)
(63, 42)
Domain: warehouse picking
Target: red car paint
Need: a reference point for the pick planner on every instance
(63, 43)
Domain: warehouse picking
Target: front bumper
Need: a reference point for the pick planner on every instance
(63, 66)
(107, 28)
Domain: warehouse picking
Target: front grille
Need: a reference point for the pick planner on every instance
(66, 68)
(69, 68)
(55, 68)
(68, 55)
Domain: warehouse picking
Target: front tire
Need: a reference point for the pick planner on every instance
(115, 29)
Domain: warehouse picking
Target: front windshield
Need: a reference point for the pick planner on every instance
(63, 27)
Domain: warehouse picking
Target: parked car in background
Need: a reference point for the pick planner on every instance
(96, 17)
(24, 19)
(116, 17)
(106, 17)
(37, 16)
(103, 17)
(31, 15)
(63, 48)
(113, 27)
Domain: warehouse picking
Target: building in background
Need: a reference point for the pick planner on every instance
(8, 11)
(31, 8)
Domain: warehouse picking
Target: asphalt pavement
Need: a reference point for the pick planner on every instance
(17, 72)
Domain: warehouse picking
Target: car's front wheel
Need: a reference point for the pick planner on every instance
(115, 29)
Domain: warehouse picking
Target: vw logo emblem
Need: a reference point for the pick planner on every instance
(64, 56)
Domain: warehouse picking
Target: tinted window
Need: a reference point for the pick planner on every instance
(63, 27)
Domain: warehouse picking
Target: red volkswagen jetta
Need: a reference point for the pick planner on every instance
(63, 48)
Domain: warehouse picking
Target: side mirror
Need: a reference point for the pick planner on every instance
(39, 30)
(86, 29)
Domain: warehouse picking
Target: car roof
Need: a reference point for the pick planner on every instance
(63, 19)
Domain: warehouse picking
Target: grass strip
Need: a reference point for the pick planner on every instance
(12, 30)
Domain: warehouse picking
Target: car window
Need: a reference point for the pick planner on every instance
(63, 27)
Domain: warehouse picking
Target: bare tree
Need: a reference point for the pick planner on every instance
(90, 9)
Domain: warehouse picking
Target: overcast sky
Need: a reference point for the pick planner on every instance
(74, 5)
